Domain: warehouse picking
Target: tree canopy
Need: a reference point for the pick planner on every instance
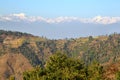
(61, 67)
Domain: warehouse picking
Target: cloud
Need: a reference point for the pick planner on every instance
(20, 15)
(13, 17)
(105, 20)
(61, 19)
(5, 18)
(94, 20)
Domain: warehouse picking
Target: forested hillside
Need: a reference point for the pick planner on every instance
(24, 52)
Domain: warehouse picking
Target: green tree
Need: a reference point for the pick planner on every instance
(12, 77)
(95, 71)
(59, 67)
(118, 75)
(90, 38)
(36, 74)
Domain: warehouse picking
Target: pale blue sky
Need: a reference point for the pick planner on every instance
(55, 8)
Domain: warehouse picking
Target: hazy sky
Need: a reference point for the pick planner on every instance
(55, 8)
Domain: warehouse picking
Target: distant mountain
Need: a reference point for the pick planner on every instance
(21, 51)
(60, 27)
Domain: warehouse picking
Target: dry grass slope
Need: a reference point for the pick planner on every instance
(13, 64)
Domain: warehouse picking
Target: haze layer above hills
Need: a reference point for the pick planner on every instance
(60, 27)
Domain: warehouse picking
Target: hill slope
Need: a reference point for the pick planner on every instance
(13, 64)
(21, 51)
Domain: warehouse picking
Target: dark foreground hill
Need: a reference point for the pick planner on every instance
(20, 52)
